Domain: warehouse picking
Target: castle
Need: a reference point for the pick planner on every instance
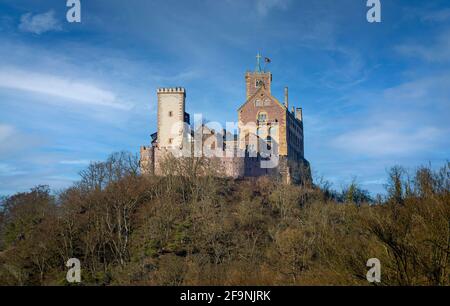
(268, 142)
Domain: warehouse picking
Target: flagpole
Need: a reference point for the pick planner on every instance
(266, 61)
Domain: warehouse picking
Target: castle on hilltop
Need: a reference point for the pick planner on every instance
(268, 142)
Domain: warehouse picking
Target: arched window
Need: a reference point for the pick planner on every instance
(262, 117)
(259, 132)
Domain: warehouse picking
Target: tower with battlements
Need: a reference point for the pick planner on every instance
(264, 125)
(172, 117)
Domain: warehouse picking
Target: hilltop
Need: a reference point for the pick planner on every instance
(186, 230)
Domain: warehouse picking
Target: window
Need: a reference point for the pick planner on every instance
(260, 103)
(170, 114)
(258, 132)
(170, 140)
(262, 117)
(273, 131)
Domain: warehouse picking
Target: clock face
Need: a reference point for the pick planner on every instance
(259, 83)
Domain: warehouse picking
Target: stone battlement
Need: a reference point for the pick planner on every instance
(171, 90)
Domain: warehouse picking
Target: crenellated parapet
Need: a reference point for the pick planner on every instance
(171, 90)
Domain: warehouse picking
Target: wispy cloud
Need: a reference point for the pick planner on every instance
(437, 16)
(388, 139)
(76, 91)
(75, 162)
(366, 107)
(39, 23)
(6, 132)
(13, 141)
(438, 51)
(8, 170)
(404, 120)
(264, 6)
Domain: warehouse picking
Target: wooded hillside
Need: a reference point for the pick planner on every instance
(189, 230)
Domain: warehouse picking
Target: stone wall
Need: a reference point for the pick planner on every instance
(287, 171)
(147, 162)
(152, 158)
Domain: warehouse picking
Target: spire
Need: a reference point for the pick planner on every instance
(258, 63)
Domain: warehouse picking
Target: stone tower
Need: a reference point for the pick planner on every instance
(269, 123)
(256, 79)
(171, 117)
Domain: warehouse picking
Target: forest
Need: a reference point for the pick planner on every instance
(179, 229)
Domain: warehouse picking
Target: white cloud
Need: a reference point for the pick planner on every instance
(439, 51)
(428, 96)
(8, 170)
(388, 139)
(12, 141)
(76, 91)
(404, 120)
(379, 181)
(6, 131)
(75, 162)
(39, 23)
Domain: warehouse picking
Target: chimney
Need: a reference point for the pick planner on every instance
(286, 97)
(299, 114)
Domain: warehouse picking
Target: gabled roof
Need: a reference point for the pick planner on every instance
(258, 92)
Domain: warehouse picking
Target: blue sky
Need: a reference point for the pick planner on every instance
(374, 95)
